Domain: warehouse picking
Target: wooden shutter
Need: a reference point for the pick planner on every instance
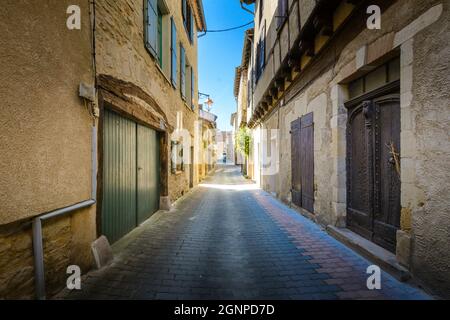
(192, 89)
(152, 27)
(173, 52)
(183, 72)
(258, 58)
(183, 9)
(282, 12)
(296, 189)
(302, 157)
(160, 40)
(263, 48)
(307, 161)
(191, 29)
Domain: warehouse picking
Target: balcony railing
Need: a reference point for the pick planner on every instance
(208, 116)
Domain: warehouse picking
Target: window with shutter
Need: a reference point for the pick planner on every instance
(151, 34)
(282, 12)
(192, 89)
(183, 72)
(261, 10)
(191, 29)
(183, 9)
(261, 54)
(263, 48)
(160, 39)
(173, 53)
(188, 20)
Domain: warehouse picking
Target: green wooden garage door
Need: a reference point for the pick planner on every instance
(130, 175)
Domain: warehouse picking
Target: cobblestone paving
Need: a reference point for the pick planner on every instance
(228, 240)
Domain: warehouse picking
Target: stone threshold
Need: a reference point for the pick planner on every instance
(385, 259)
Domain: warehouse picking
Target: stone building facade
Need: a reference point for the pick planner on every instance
(90, 112)
(46, 138)
(338, 99)
(207, 143)
(242, 85)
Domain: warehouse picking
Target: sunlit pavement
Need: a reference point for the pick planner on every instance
(228, 240)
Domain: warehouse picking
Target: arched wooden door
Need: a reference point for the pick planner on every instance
(373, 169)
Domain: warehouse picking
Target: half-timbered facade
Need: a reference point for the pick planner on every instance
(353, 112)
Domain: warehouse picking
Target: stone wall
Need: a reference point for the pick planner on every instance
(45, 163)
(430, 225)
(121, 54)
(418, 32)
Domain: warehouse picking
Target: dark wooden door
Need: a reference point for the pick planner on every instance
(296, 190)
(302, 153)
(373, 169)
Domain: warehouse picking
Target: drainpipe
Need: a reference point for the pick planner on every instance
(39, 273)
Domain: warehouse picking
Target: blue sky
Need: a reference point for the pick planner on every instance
(219, 54)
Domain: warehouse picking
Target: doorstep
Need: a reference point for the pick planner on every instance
(380, 256)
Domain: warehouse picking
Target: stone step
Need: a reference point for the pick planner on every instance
(385, 259)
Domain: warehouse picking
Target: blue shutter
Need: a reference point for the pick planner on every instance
(183, 72)
(152, 27)
(173, 51)
(192, 89)
(191, 30)
(183, 9)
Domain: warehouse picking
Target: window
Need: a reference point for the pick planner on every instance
(188, 19)
(283, 12)
(160, 39)
(183, 72)
(375, 79)
(176, 163)
(157, 33)
(249, 92)
(173, 53)
(192, 89)
(261, 9)
(151, 30)
(260, 54)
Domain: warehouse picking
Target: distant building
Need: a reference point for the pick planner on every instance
(207, 148)
(225, 146)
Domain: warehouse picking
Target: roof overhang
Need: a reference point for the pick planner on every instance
(199, 15)
(246, 51)
(237, 81)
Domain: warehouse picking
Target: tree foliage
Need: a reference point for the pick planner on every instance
(243, 141)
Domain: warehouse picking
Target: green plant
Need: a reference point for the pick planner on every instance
(243, 141)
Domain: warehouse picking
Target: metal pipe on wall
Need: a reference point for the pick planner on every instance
(38, 248)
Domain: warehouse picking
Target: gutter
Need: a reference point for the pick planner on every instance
(39, 273)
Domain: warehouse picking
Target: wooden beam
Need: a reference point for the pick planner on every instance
(268, 99)
(279, 83)
(354, 2)
(294, 62)
(264, 106)
(273, 91)
(323, 23)
(306, 46)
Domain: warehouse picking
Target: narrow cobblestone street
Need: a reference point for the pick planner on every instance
(229, 240)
